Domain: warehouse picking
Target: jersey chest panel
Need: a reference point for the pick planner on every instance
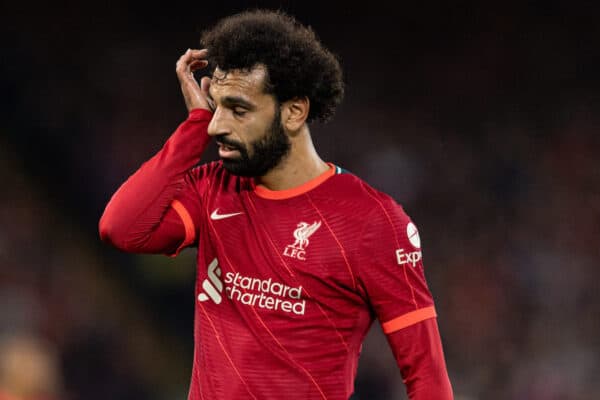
(278, 265)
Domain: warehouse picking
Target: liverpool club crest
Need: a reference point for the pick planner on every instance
(301, 234)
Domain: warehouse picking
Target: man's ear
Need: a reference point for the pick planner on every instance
(294, 113)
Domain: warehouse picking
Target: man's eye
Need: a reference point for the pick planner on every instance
(239, 111)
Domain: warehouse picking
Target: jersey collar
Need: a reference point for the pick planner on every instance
(265, 193)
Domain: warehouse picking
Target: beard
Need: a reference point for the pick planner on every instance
(267, 152)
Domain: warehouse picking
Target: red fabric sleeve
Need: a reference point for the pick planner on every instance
(419, 355)
(392, 274)
(390, 267)
(141, 216)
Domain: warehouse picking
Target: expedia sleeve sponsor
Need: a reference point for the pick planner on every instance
(411, 258)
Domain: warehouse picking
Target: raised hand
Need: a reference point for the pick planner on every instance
(194, 94)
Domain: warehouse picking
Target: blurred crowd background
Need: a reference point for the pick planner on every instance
(481, 118)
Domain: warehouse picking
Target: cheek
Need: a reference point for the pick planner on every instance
(255, 131)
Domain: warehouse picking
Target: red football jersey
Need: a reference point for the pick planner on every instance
(289, 282)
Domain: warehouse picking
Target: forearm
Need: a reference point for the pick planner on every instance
(137, 208)
(419, 355)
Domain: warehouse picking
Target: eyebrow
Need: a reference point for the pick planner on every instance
(233, 101)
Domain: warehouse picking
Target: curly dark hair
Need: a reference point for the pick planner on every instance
(297, 64)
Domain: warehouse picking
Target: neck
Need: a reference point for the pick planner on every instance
(301, 165)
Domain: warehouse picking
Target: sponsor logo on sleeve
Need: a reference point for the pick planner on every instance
(413, 235)
(410, 257)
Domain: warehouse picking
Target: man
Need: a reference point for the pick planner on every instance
(296, 257)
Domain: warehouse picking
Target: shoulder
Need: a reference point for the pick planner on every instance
(370, 201)
(377, 216)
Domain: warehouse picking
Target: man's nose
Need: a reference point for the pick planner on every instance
(217, 125)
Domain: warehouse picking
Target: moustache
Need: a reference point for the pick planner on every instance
(229, 143)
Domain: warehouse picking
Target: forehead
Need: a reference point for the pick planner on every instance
(248, 84)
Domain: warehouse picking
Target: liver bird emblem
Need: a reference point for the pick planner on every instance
(303, 232)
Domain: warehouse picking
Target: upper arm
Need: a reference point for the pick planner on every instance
(169, 237)
(186, 211)
(171, 233)
(392, 275)
(156, 224)
(188, 207)
(391, 268)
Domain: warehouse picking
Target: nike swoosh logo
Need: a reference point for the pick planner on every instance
(216, 216)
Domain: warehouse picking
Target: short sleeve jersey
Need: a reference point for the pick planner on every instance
(289, 282)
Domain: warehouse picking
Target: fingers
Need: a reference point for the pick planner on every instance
(202, 53)
(195, 94)
(198, 64)
(192, 60)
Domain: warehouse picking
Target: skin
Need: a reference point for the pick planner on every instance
(247, 121)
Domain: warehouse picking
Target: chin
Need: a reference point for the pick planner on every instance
(236, 167)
